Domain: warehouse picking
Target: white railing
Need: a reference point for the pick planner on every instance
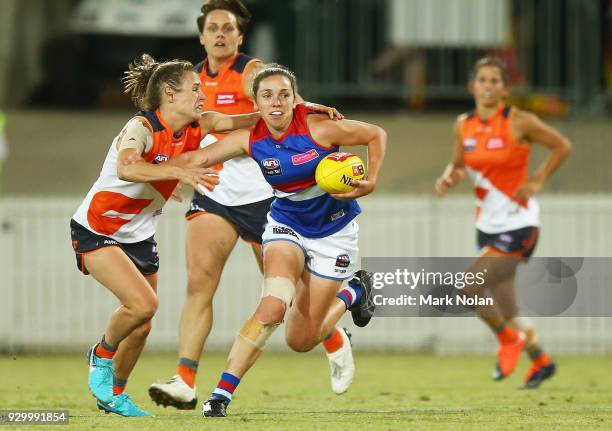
(45, 303)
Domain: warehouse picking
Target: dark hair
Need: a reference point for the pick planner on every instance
(235, 7)
(145, 79)
(491, 61)
(271, 70)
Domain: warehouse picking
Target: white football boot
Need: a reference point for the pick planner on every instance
(175, 392)
(342, 365)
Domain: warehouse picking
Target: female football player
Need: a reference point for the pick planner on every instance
(113, 229)
(310, 241)
(235, 208)
(492, 145)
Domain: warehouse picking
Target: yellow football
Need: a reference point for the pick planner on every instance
(336, 172)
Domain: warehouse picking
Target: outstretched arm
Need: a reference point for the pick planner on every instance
(219, 123)
(350, 133)
(455, 171)
(132, 143)
(233, 145)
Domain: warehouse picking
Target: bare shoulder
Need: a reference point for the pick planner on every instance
(143, 121)
(461, 118)
(321, 124)
(518, 116)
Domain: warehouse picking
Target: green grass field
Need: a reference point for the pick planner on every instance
(291, 392)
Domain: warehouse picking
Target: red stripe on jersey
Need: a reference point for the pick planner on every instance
(295, 185)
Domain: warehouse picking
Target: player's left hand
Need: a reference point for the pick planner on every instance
(362, 188)
(527, 190)
(322, 109)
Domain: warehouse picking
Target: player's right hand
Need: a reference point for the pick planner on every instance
(442, 185)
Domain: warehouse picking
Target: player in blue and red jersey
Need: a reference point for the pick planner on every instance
(311, 236)
(235, 208)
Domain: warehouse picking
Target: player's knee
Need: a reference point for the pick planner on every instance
(146, 308)
(300, 344)
(276, 297)
(201, 281)
(270, 310)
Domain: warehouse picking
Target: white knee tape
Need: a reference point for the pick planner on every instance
(256, 332)
(279, 287)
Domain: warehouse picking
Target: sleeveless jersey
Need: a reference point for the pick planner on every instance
(240, 181)
(288, 164)
(125, 211)
(498, 165)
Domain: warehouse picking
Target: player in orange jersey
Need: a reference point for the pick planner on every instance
(113, 229)
(492, 145)
(236, 208)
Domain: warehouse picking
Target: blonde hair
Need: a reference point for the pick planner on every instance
(145, 79)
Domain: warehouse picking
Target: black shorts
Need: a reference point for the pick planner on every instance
(249, 220)
(519, 242)
(142, 253)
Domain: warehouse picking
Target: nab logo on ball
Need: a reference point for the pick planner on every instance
(336, 172)
(271, 167)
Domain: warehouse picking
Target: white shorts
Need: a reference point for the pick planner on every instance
(334, 257)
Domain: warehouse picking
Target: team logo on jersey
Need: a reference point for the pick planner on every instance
(226, 99)
(343, 261)
(160, 158)
(300, 159)
(469, 145)
(271, 167)
(335, 216)
(281, 230)
(495, 144)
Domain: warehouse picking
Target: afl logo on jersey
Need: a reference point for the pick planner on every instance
(160, 158)
(469, 145)
(271, 167)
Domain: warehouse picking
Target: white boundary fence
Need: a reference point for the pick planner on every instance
(46, 304)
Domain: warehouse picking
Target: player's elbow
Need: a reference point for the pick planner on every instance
(565, 147)
(125, 172)
(381, 134)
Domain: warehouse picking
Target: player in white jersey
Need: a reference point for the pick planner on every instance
(112, 231)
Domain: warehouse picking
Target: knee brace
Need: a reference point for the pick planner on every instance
(279, 287)
(256, 332)
(523, 324)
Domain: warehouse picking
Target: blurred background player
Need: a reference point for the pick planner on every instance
(115, 225)
(235, 208)
(492, 144)
(311, 236)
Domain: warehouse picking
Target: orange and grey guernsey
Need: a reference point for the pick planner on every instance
(498, 165)
(240, 180)
(129, 212)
